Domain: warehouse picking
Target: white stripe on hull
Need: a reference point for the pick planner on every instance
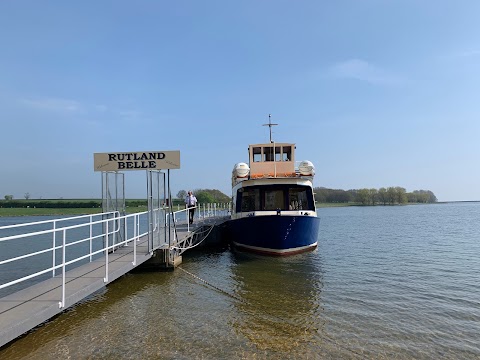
(276, 251)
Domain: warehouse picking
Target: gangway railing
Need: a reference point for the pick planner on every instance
(180, 219)
(88, 239)
(201, 211)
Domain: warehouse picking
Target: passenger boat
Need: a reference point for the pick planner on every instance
(273, 210)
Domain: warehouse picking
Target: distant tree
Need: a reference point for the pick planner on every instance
(320, 194)
(363, 196)
(413, 198)
(181, 194)
(382, 196)
(204, 197)
(211, 196)
(431, 197)
(422, 196)
(351, 194)
(400, 195)
(339, 196)
(8, 197)
(373, 194)
(391, 195)
(26, 196)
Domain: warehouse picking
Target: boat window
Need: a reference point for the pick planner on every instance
(257, 154)
(250, 199)
(278, 154)
(268, 153)
(274, 199)
(287, 153)
(298, 199)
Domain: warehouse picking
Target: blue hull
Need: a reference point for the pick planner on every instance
(274, 235)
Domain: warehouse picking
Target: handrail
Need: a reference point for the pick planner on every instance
(209, 210)
(107, 228)
(56, 220)
(41, 232)
(112, 227)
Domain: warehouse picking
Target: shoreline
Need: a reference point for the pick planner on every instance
(20, 212)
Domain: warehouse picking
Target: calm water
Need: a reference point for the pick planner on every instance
(385, 282)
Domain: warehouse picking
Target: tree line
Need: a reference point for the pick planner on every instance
(205, 196)
(383, 196)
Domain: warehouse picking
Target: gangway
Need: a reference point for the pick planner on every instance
(48, 266)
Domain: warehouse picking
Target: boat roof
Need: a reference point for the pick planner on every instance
(272, 160)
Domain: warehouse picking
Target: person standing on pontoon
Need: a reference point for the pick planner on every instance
(190, 203)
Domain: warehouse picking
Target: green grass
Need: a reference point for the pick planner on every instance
(66, 211)
(323, 205)
(47, 211)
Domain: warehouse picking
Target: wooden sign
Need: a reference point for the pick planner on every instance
(145, 160)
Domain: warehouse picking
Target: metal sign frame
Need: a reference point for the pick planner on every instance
(113, 199)
(112, 166)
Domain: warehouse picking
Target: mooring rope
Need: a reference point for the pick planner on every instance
(182, 249)
(211, 285)
(305, 328)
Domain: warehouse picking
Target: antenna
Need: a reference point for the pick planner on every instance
(270, 125)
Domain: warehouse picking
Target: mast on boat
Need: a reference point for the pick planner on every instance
(270, 126)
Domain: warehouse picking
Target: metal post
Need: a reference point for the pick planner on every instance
(105, 279)
(53, 248)
(149, 202)
(62, 304)
(135, 240)
(125, 224)
(114, 238)
(170, 207)
(138, 228)
(91, 234)
(103, 196)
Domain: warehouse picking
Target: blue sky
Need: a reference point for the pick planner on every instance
(375, 93)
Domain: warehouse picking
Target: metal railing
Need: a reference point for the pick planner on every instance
(202, 211)
(97, 228)
(209, 209)
(30, 251)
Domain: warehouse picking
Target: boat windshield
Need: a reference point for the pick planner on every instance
(275, 197)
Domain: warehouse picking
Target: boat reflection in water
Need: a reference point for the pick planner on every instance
(280, 307)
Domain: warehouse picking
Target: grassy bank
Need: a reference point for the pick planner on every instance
(60, 212)
(47, 211)
(324, 205)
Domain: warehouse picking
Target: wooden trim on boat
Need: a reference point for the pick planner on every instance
(272, 175)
